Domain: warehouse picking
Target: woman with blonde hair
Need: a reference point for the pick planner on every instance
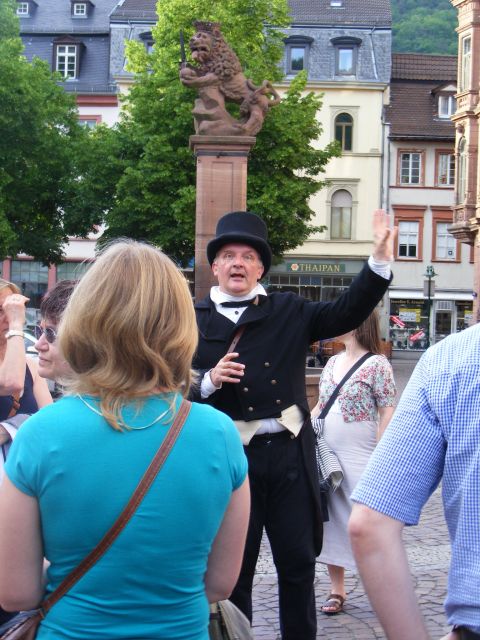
(352, 427)
(129, 334)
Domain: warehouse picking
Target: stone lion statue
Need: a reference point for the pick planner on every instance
(218, 77)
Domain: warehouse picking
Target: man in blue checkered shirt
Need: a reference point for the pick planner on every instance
(434, 435)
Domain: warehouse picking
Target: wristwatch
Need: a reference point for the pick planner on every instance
(14, 332)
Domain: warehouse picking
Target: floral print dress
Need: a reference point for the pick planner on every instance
(351, 432)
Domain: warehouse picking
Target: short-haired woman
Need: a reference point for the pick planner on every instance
(352, 427)
(129, 334)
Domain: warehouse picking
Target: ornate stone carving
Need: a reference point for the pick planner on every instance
(218, 77)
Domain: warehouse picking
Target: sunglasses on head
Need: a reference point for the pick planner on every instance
(50, 334)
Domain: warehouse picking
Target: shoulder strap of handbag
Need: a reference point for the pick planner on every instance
(15, 405)
(136, 498)
(238, 334)
(349, 373)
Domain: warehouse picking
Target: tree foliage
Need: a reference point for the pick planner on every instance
(424, 27)
(39, 135)
(148, 191)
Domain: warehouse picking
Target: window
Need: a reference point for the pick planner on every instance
(336, 3)
(445, 243)
(23, 9)
(346, 51)
(344, 130)
(345, 63)
(445, 169)
(465, 71)
(67, 60)
(462, 171)
(341, 216)
(67, 53)
(80, 9)
(72, 270)
(411, 167)
(296, 52)
(446, 106)
(408, 238)
(89, 122)
(32, 278)
(297, 59)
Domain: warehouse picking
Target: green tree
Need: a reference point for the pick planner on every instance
(39, 135)
(153, 190)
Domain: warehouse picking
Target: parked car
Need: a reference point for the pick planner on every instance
(29, 340)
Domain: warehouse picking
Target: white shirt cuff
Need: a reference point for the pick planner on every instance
(380, 267)
(207, 387)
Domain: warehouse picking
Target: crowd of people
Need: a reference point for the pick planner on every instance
(132, 358)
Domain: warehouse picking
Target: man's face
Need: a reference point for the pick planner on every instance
(51, 363)
(237, 268)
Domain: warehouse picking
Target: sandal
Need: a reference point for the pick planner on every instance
(334, 604)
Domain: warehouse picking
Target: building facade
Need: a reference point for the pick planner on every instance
(466, 210)
(421, 174)
(345, 47)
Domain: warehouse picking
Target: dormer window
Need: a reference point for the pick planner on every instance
(81, 9)
(336, 3)
(446, 106)
(26, 9)
(67, 54)
(147, 39)
(297, 49)
(23, 9)
(346, 54)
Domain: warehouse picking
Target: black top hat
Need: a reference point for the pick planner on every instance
(241, 227)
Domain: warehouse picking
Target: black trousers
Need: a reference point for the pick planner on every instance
(282, 503)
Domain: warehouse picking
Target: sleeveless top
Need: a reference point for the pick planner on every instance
(28, 404)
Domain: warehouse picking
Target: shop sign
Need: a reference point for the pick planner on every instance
(409, 315)
(315, 267)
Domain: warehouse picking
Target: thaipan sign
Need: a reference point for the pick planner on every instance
(315, 267)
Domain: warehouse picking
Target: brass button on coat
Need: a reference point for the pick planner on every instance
(273, 382)
(250, 408)
(245, 389)
(266, 364)
(278, 402)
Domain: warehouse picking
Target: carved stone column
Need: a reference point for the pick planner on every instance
(221, 187)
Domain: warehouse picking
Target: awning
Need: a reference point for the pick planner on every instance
(405, 294)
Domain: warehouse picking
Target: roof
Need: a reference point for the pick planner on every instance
(135, 9)
(420, 66)
(55, 16)
(413, 109)
(353, 12)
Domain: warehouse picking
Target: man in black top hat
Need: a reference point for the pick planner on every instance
(261, 386)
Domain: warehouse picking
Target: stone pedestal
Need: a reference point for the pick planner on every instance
(221, 188)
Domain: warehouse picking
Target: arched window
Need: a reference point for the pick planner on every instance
(344, 131)
(341, 217)
(462, 171)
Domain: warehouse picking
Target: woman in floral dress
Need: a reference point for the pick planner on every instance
(352, 428)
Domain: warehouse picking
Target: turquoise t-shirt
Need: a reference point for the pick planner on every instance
(150, 583)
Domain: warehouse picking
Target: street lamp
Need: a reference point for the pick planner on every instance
(429, 291)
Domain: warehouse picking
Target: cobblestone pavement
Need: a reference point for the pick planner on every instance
(428, 551)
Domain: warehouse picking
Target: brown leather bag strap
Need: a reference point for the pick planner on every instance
(15, 405)
(236, 338)
(136, 498)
